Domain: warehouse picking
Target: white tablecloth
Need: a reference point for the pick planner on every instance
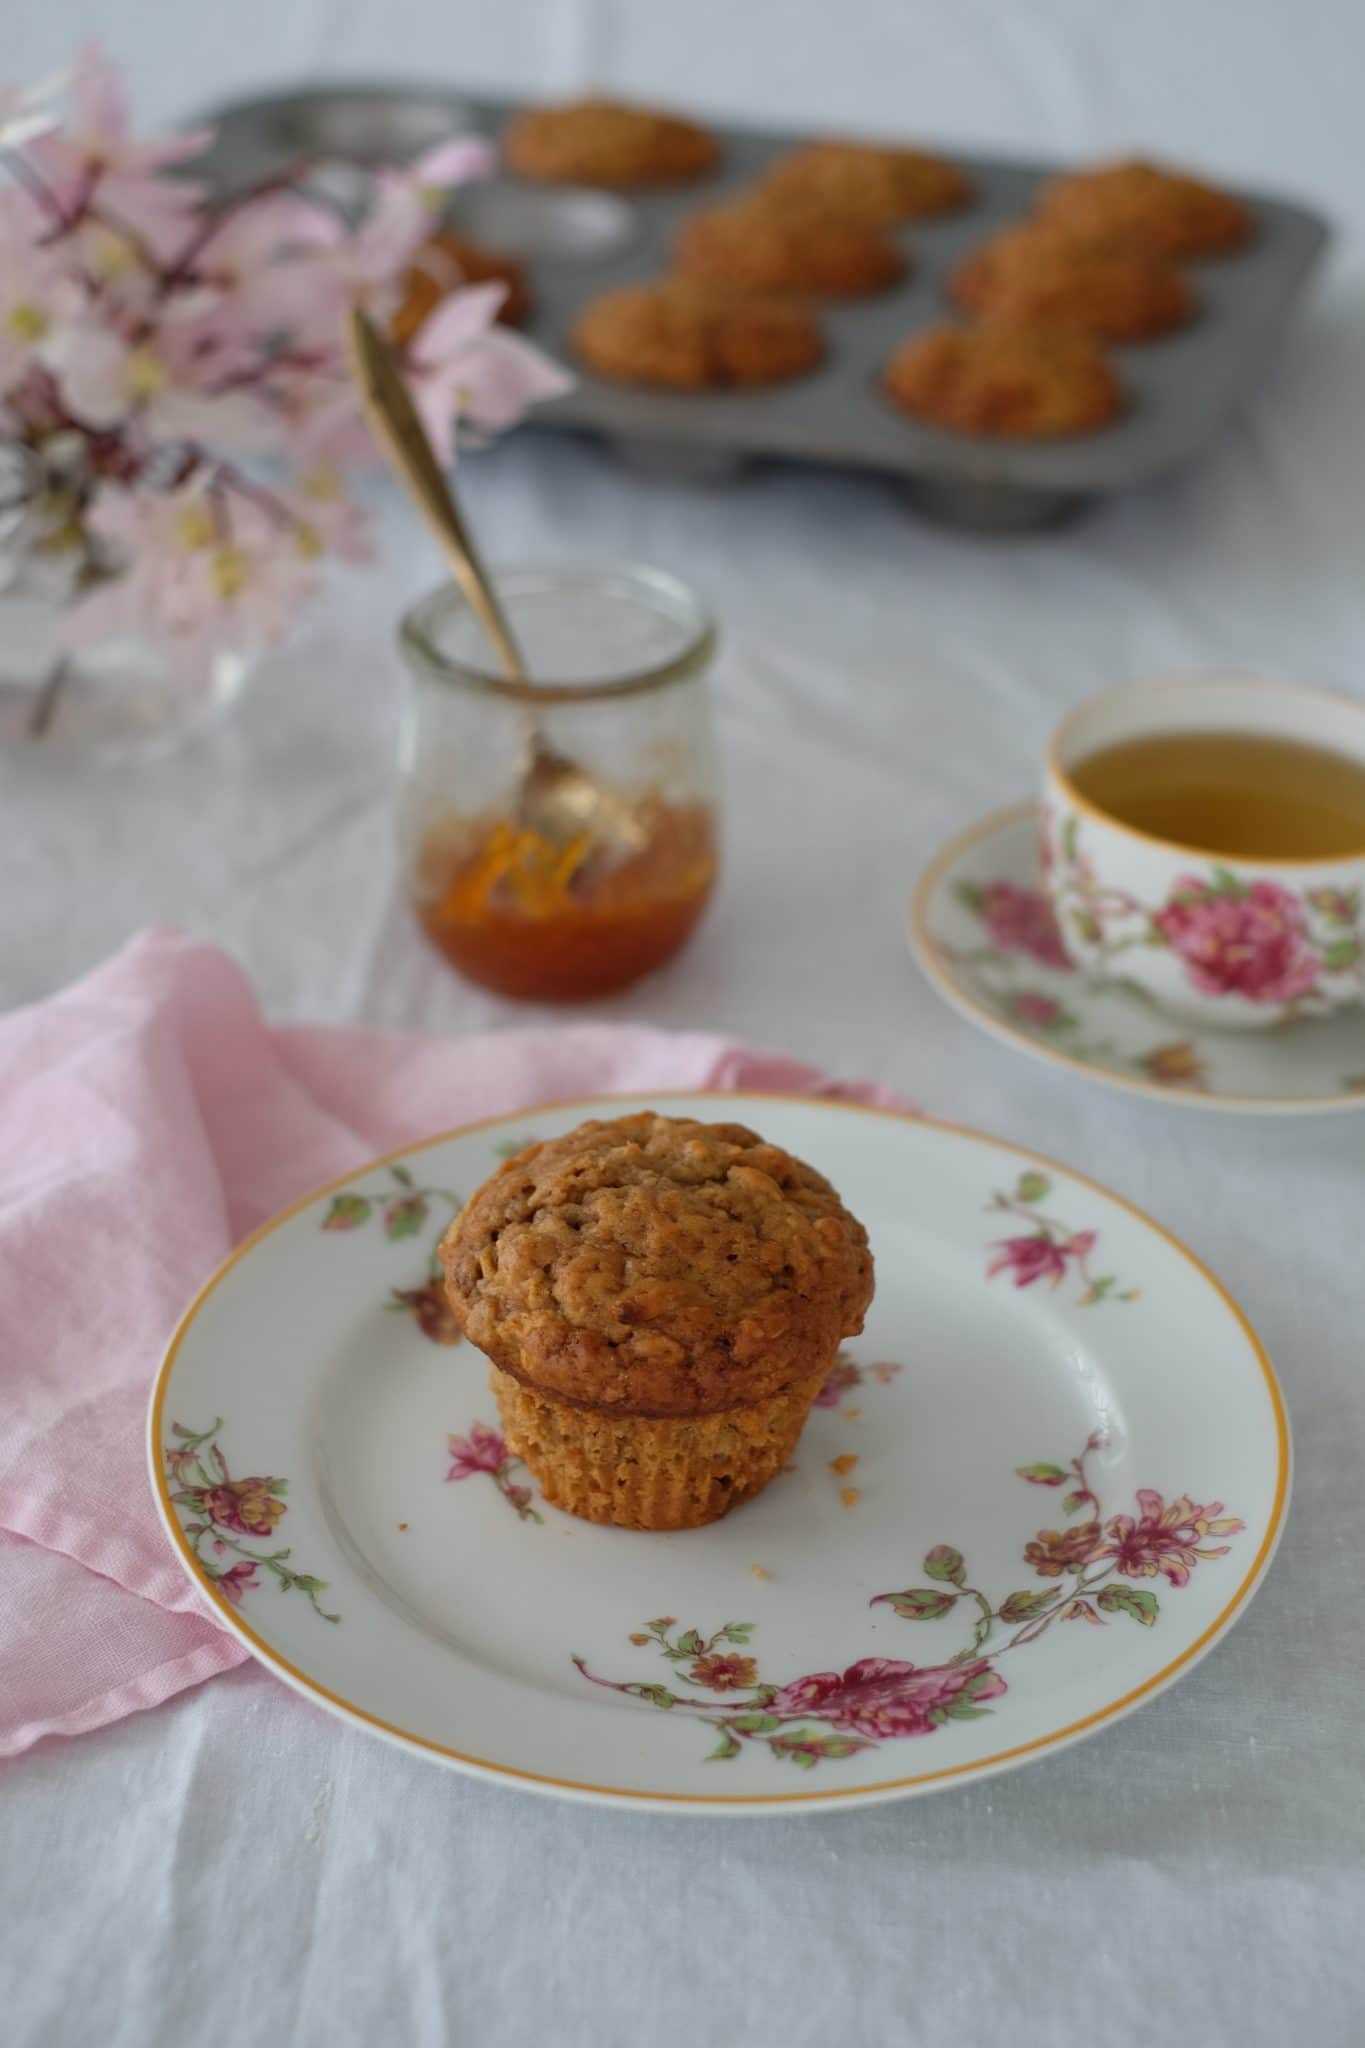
(240, 1867)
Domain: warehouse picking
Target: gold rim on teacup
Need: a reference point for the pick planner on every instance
(1214, 938)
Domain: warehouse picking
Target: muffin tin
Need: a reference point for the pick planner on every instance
(1181, 389)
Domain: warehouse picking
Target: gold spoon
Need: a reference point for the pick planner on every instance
(555, 798)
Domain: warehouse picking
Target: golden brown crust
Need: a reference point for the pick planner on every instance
(694, 336)
(651, 1473)
(1039, 274)
(1014, 383)
(875, 180)
(777, 245)
(657, 1266)
(609, 143)
(1160, 209)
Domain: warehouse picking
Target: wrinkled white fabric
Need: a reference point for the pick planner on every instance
(239, 1866)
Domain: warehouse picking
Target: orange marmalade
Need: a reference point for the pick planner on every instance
(565, 924)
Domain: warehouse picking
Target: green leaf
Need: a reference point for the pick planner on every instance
(690, 1644)
(1226, 883)
(1342, 953)
(963, 1710)
(755, 1724)
(943, 1562)
(724, 1749)
(406, 1217)
(736, 1631)
(919, 1603)
(1042, 1475)
(1032, 1186)
(1026, 1606)
(1074, 1502)
(309, 1585)
(657, 1695)
(1129, 1600)
(970, 895)
(347, 1212)
(765, 1694)
(1088, 926)
(278, 1487)
(1069, 829)
(402, 1176)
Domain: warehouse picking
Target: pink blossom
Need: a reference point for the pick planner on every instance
(1021, 921)
(483, 1450)
(1167, 1539)
(33, 289)
(94, 158)
(319, 503)
(879, 1696)
(171, 382)
(1038, 1257)
(462, 367)
(238, 1579)
(1249, 942)
(200, 575)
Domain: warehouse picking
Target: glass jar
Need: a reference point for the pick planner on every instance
(534, 906)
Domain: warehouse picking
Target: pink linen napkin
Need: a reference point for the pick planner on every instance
(150, 1119)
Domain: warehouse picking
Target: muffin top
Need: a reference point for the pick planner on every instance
(1161, 209)
(1015, 383)
(1041, 273)
(768, 243)
(877, 180)
(658, 1266)
(607, 142)
(691, 335)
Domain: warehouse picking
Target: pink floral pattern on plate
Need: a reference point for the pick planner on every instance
(405, 1210)
(484, 1452)
(1049, 1250)
(218, 1511)
(1088, 1571)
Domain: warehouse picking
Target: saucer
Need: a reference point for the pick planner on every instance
(983, 933)
(1041, 1484)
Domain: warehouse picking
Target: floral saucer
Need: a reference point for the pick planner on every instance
(984, 934)
(1057, 1435)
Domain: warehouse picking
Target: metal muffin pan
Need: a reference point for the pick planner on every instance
(1181, 389)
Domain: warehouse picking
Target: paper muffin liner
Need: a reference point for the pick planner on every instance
(645, 1471)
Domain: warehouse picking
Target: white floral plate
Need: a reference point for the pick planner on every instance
(983, 932)
(1044, 1481)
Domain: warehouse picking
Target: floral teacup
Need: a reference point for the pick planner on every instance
(1214, 939)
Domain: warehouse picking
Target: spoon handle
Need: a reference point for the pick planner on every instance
(396, 426)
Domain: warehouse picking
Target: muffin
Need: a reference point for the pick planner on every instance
(1038, 274)
(1164, 210)
(661, 1301)
(876, 181)
(1013, 383)
(765, 244)
(444, 263)
(693, 336)
(608, 143)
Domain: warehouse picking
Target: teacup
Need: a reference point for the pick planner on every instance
(1231, 940)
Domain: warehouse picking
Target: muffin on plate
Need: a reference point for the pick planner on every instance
(876, 180)
(1167, 210)
(448, 261)
(661, 1301)
(607, 142)
(693, 336)
(1014, 383)
(1040, 274)
(769, 244)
